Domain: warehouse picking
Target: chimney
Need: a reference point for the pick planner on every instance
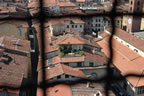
(96, 34)
(88, 84)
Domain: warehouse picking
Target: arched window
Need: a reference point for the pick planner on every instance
(131, 2)
(130, 8)
(137, 8)
(138, 3)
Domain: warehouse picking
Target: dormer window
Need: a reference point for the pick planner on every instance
(58, 77)
(136, 50)
(66, 76)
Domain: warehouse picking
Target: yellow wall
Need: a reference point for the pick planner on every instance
(124, 21)
(142, 24)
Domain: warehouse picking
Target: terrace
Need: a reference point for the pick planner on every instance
(71, 50)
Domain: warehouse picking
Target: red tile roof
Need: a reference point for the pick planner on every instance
(75, 38)
(75, 20)
(72, 40)
(60, 69)
(10, 79)
(10, 43)
(66, 4)
(13, 72)
(97, 58)
(58, 90)
(127, 61)
(81, 89)
(55, 60)
(133, 40)
(72, 59)
(47, 3)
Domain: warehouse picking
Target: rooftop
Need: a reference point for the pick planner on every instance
(133, 40)
(127, 64)
(14, 61)
(60, 69)
(58, 90)
(73, 59)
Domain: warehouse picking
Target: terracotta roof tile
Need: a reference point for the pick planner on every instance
(133, 40)
(15, 69)
(55, 60)
(72, 59)
(66, 4)
(10, 79)
(60, 69)
(97, 58)
(10, 43)
(58, 90)
(124, 62)
(72, 40)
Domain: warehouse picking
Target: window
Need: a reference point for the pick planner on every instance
(72, 26)
(73, 77)
(66, 64)
(79, 64)
(91, 64)
(137, 8)
(130, 8)
(67, 26)
(66, 76)
(138, 3)
(96, 25)
(131, 2)
(75, 26)
(140, 90)
(80, 26)
(58, 77)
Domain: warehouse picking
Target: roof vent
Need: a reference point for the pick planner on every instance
(1, 45)
(56, 91)
(98, 93)
(71, 34)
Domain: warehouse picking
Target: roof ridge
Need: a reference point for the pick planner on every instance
(61, 67)
(66, 38)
